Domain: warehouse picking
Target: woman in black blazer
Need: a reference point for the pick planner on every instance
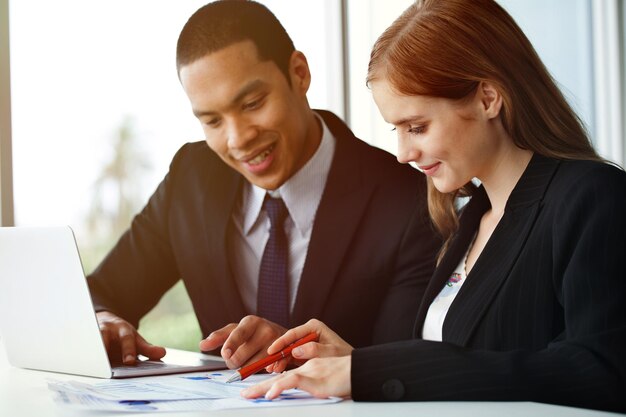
(528, 302)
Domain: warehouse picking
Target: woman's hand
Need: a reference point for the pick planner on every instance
(328, 344)
(322, 378)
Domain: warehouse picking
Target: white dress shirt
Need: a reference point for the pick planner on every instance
(249, 229)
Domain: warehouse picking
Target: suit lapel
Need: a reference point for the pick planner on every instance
(494, 264)
(490, 272)
(471, 216)
(222, 191)
(342, 205)
(497, 258)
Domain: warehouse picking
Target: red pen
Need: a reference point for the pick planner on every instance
(255, 367)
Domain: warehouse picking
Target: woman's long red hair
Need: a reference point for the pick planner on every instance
(446, 48)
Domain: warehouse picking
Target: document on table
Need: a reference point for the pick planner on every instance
(184, 392)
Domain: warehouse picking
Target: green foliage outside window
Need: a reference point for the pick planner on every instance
(172, 323)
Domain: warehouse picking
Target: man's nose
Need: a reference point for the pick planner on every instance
(240, 133)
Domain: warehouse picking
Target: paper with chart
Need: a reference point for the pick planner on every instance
(184, 392)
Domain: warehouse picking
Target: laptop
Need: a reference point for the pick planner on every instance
(47, 319)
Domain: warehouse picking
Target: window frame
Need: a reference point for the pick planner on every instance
(608, 55)
(6, 154)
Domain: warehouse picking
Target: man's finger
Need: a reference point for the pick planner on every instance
(242, 333)
(106, 338)
(217, 338)
(278, 367)
(252, 349)
(126, 337)
(251, 339)
(260, 354)
(147, 349)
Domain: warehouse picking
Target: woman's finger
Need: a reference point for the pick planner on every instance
(312, 350)
(320, 377)
(261, 388)
(286, 381)
(294, 335)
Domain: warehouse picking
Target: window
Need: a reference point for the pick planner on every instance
(566, 48)
(576, 39)
(98, 113)
(96, 109)
(367, 19)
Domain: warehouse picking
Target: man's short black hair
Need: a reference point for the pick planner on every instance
(222, 23)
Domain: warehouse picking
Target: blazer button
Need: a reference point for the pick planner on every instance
(393, 390)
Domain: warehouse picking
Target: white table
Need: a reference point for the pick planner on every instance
(24, 393)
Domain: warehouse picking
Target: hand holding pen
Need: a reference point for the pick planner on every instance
(310, 340)
(328, 344)
(322, 377)
(255, 367)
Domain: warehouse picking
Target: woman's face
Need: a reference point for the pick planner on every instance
(449, 141)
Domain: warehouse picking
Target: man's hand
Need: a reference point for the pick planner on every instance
(120, 337)
(243, 342)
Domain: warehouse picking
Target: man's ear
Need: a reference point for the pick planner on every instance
(299, 72)
(490, 99)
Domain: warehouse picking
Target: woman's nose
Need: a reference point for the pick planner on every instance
(407, 151)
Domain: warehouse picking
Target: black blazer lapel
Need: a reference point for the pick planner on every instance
(341, 208)
(472, 213)
(500, 254)
(497, 258)
(491, 270)
(223, 185)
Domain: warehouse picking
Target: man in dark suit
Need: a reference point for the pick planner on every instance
(356, 248)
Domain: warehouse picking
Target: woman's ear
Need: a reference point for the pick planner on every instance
(299, 72)
(490, 99)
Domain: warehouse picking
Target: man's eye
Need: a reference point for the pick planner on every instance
(254, 104)
(212, 122)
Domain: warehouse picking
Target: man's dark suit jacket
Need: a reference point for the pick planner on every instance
(542, 315)
(370, 256)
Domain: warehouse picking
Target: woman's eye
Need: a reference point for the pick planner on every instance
(416, 130)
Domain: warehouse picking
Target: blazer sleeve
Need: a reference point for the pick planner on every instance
(141, 266)
(584, 366)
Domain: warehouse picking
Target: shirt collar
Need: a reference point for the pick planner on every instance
(301, 193)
